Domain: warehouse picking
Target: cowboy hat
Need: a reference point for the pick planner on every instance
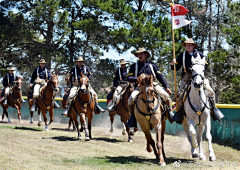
(80, 58)
(42, 61)
(12, 69)
(189, 41)
(141, 50)
(122, 61)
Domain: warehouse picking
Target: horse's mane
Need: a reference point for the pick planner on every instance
(145, 79)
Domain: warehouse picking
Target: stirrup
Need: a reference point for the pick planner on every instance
(23, 101)
(170, 115)
(132, 122)
(33, 108)
(217, 114)
(110, 108)
(178, 117)
(98, 109)
(5, 102)
(56, 105)
(65, 112)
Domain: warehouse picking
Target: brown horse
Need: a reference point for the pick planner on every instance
(83, 105)
(45, 101)
(14, 99)
(148, 112)
(123, 112)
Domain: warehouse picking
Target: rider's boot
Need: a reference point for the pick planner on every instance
(111, 107)
(5, 101)
(56, 105)
(132, 122)
(33, 108)
(170, 113)
(216, 114)
(66, 111)
(23, 101)
(178, 117)
(98, 108)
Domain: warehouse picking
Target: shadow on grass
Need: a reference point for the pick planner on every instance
(28, 128)
(64, 129)
(62, 138)
(136, 159)
(107, 139)
(234, 146)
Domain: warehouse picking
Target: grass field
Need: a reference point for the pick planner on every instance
(25, 146)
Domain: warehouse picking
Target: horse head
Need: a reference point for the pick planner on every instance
(145, 83)
(84, 84)
(18, 83)
(198, 75)
(54, 82)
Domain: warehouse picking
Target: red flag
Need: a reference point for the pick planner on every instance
(178, 12)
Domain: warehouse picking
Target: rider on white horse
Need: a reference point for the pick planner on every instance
(119, 81)
(74, 78)
(145, 66)
(184, 60)
(39, 79)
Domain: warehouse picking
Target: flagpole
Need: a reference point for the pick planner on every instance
(175, 76)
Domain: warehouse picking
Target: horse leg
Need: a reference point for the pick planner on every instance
(45, 120)
(82, 125)
(6, 113)
(83, 118)
(31, 114)
(19, 113)
(111, 119)
(212, 156)
(51, 116)
(39, 117)
(193, 150)
(90, 128)
(192, 133)
(200, 130)
(74, 119)
(159, 154)
(124, 129)
(162, 137)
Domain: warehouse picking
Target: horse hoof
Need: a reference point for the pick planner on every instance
(195, 156)
(47, 130)
(80, 138)
(20, 122)
(212, 158)
(162, 164)
(39, 123)
(202, 158)
(111, 130)
(31, 122)
(123, 133)
(74, 129)
(130, 140)
(131, 133)
(87, 139)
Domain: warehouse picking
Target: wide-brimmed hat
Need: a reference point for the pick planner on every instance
(122, 61)
(12, 69)
(189, 41)
(80, 58)
(141, 50)
(42, 61)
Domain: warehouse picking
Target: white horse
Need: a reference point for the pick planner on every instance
(197, 108)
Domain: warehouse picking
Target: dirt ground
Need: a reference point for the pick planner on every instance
(27, 146)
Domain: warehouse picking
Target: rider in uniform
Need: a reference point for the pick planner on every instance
(119, 82)
(39, 79)
(184, 61)
(145, 66)
(74, 77)
(8, 81)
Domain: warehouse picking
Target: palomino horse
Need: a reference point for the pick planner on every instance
(148, 112)
(14, 99)
(45, 101)
(83, 105)
(122, 111)
(197, 108)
